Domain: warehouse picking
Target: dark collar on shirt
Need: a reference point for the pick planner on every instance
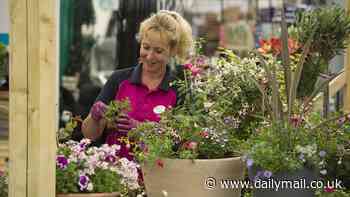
(137, 73)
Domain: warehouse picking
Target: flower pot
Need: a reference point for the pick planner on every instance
(113, 194)
(299, 178)
(184, 177)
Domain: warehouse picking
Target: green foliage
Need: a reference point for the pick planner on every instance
(336, 193)
(3, 60)
(269, 148)
(328, 28)
(68, 182)
(106, 181)
(116, 108)
(65, 133)
(3, 184)
(329, 31)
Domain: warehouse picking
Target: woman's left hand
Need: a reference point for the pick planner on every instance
(125, 123)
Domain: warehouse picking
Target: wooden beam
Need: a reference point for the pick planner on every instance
(18, 144)
(347, 73)
(337, 84)
(34, 81)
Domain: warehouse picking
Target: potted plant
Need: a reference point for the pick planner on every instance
(196, 145)
(83, 170)
(288, 145)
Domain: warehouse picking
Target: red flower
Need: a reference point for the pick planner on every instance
(296, 120)
(160, 163)
(329, 189)
(204, 134)
(276, 45)
(292, 45)
(188, 66)
(265, 46)
(190, 145)
(193, 69)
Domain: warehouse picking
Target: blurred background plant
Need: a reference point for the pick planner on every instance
(3, 62)
(329, 30)
(3, 183)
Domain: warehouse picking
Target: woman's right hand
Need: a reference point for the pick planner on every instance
(98, 110)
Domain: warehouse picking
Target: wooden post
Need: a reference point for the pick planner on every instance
(33, 98)
(347, 73)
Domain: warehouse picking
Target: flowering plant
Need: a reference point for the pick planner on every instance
(217, 101)
(291, 136)
(80, 168)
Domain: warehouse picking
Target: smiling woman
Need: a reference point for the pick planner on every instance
(163, 36)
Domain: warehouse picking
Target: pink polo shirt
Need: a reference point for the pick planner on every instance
(144, 102)
(127, 83)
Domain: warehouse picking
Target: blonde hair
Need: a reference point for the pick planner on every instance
(175, 27)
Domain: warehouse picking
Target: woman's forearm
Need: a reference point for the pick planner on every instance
(93, 129)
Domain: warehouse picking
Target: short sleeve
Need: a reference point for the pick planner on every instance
(111, 87)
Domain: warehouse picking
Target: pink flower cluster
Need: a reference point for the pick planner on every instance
(193, 69)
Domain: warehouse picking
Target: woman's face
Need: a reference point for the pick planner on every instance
(155, 51)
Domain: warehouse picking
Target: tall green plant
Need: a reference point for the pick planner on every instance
(329, 30)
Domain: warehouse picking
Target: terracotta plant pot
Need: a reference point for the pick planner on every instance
(183, 177)
(113, 194)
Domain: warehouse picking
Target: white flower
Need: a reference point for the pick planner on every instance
(165, 193)
(323, 172)
(90, 187)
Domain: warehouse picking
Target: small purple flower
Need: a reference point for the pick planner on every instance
(322, 153)
(200, 60)
(257, 176)
(249, 163)
(142, 145)
(341, 120)
(83, 182)
(110, 158)
(267, 174)
(302, 157)
(61, 161)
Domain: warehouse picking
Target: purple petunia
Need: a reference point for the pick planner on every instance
(61, 161)
(322, 153)
(110, 159)
(83, 182)
(249, 163)
(267, 174)
(258, 176)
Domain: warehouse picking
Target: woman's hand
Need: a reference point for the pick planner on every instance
(98, 110)
(125, 123)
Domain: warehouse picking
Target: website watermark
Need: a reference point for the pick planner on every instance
(212, 183)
